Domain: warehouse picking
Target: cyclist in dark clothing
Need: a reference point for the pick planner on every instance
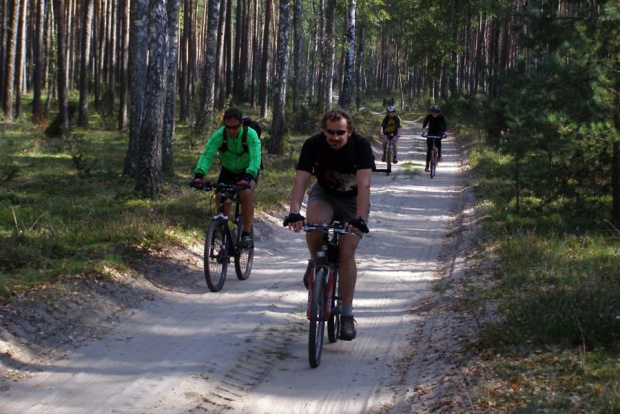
(342, 162)
(434, 124)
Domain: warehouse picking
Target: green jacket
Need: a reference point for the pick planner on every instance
(235, 159)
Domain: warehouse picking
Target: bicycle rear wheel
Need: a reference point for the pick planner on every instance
(244, 258)
(216, 256)
(317, 318)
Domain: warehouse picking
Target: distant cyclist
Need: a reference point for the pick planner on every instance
(239, 150)
(390, 125)
(434, 124)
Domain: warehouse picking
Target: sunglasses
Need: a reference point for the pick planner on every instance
(336, 132)
(232, 127)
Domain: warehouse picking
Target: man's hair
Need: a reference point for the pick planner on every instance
(336, 115)
(233, 113)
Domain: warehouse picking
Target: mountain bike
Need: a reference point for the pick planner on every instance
(324, 303)
(222, 241)
(434, 152)
(389, 154)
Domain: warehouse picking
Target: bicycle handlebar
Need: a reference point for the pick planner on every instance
(221, 187)
(434, 136)
(337, 226)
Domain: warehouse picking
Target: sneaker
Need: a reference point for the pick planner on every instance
(395, 161)
(347, 328)
(307, 274)
(427, 169)
(246, 241)
(383, 157)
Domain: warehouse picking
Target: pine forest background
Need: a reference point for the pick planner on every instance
(539, 78)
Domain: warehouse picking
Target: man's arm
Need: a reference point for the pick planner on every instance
(300, 184)
(363, 177)
(205, 162)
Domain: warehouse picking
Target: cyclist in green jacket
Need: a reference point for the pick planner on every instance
(239, 150)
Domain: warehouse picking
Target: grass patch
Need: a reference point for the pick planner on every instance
(556, 347)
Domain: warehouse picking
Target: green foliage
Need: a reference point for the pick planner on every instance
(562, 290)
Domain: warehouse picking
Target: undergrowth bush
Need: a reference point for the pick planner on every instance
(559, 289)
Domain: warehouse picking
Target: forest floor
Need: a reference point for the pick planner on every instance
(156, 340)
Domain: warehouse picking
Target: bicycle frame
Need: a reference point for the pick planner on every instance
(434, 154)
(323, 299)
(222, 243)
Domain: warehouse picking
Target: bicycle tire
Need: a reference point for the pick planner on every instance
(333, 323)
(434, 163)
(388, 158)
(216, 256)
(316, 331)
(244, 258)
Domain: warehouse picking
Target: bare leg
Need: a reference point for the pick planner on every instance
(317, 212)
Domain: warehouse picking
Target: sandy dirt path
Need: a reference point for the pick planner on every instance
(244, 349)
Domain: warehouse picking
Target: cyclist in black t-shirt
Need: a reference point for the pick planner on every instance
(434, 124)
(342, 162)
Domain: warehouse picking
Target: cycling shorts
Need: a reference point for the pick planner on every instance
(345, 209)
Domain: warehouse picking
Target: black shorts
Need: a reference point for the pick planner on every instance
(345, 209)
(229, 177)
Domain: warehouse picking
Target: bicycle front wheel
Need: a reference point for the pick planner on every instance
(388, 158)
(333, 323)
(434, 163)
(216, 256)
(244, 259)
(317, 318)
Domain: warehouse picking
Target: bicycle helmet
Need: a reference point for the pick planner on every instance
(435, 108)
(391, 109)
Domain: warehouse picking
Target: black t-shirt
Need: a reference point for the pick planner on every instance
(335, 170)
(436, 124)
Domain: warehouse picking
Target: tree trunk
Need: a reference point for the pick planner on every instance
(39, 63)
(264, 75)
(205, 119)
(138, 49)
(123, 58)
(85, 63)
(149, 176)
(297, 46)
(61, 54)
(329, 55)
(346, 96)
(11, 55)
(279, 99)
(21, 58)
(171, 87)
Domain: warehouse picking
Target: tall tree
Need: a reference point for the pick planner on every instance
(9, 80)
(346, 94)
(39, 61)
(279, 92)
(171, 87)
(264, 74)
(138, 50)
(61, 65)
(207, 109)
(21, 57)
(149, 175)
(87, 24)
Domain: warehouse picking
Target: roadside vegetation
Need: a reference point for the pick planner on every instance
(556, 285)
(66, 211)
